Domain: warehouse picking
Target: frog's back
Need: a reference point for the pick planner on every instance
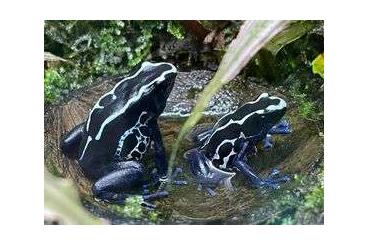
(246, 124)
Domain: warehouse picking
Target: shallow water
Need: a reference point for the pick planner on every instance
(187, 204)
(292, 154)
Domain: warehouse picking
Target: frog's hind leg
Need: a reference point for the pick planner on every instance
(273, 180)
(114, 186)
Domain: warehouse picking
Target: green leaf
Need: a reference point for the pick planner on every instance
(318, 65)
(252, 36)
(294, 31)
(62, 198)
(175, 29)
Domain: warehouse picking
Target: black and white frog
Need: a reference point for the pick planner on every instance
(225, 147)
(110, 144)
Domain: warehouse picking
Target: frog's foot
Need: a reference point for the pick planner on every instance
(283, 127)
(200, 133)
(147, 198)
(273, 180)
(163, 180)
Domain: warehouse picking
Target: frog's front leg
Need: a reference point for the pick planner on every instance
(160, 155)
(123, 176)
(283, 127)
(160, 158)
(273, 180)
(71, 141)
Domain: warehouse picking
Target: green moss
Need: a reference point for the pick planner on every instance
(303, 204)
(97, 48)
(54, 84)
(176, 29)
(307, 108)
(131, 209)
(153, 216)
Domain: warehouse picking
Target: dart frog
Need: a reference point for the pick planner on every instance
(225, 147)
(111, 143)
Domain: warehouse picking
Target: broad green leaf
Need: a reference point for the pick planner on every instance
(318, 65)
(252, 36)
(294, 31)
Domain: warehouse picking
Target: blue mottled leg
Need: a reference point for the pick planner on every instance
(273, 180)
(123, 176)
(283, 127)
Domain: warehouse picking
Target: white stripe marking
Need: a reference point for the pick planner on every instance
(112, 92)
(142, 90)
(85, 147)
(270, 108)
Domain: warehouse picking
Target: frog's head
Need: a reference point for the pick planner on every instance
(164, 75)
(254, 119)
(148, 80)
(268, 109)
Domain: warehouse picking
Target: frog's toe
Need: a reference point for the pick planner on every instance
(148, 205)
(211, 192)
(267, 142)
(274, 173)
(274, 179)
(283, 127)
